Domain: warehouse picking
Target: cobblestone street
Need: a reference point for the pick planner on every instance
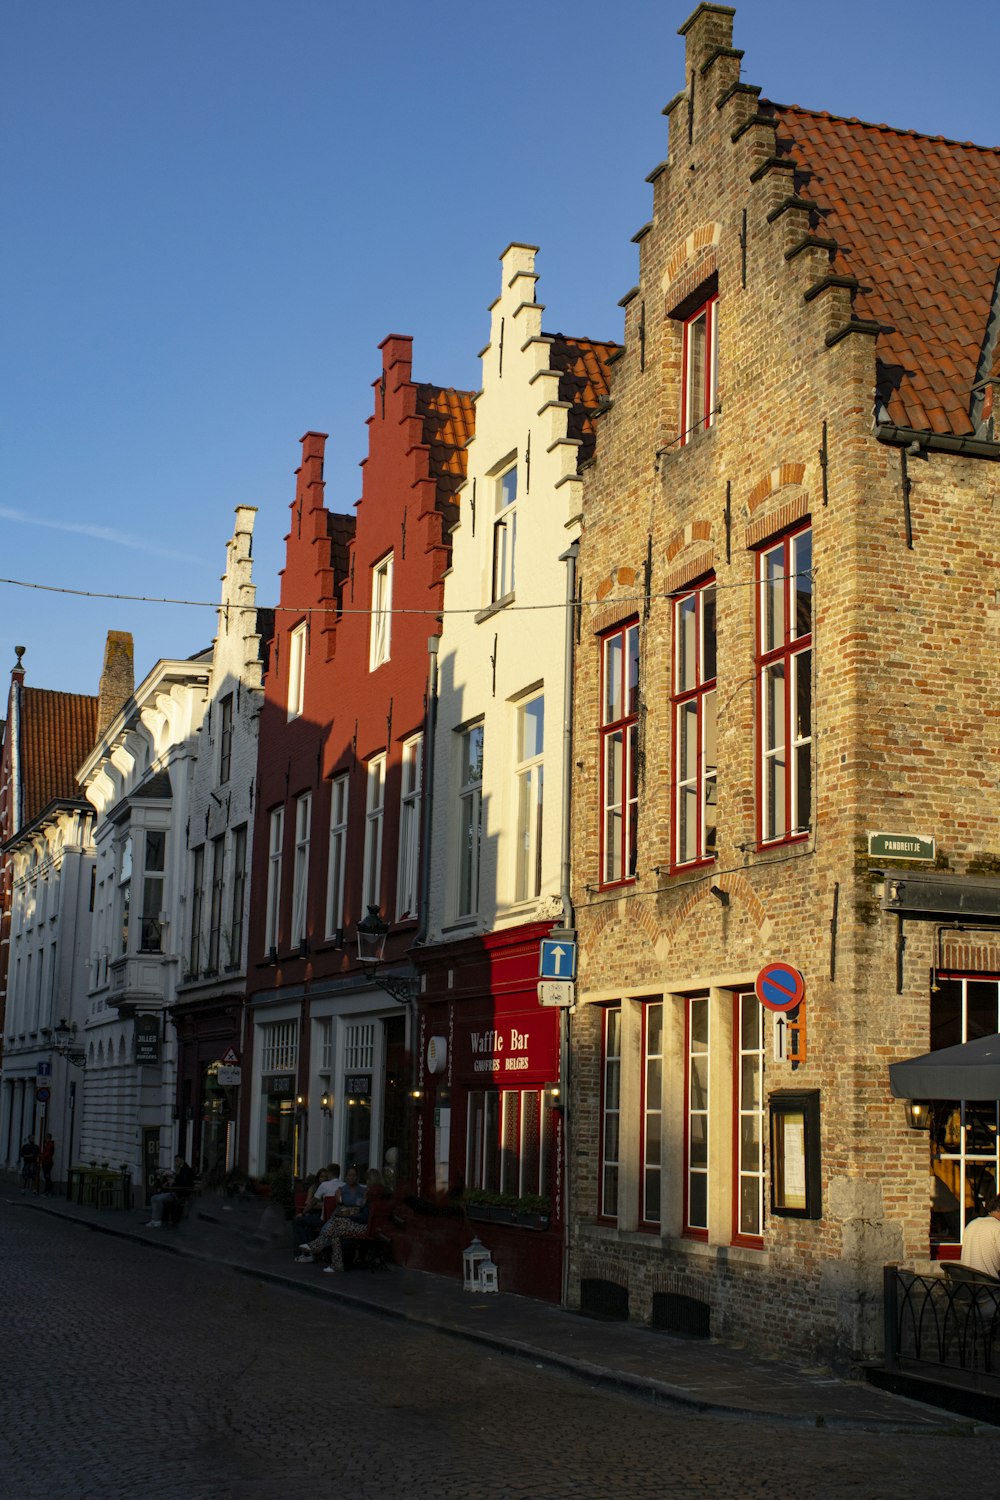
(134, 1373)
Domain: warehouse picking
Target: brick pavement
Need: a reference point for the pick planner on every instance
(701, 1376)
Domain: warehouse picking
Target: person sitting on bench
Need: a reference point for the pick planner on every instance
(176, 1187)
(349, 1218)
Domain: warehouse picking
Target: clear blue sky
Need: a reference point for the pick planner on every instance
(215, 211)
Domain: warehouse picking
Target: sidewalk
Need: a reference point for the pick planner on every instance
(253, 1238)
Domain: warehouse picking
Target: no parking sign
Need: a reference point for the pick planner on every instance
(779, 987)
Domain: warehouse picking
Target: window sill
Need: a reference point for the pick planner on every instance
(800, 836)
(616, 885)
(494, 608)
(462, 924)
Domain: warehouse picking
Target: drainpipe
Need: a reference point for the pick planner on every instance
(567, 931)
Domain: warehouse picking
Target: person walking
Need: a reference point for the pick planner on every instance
(46, 1157)
(29, 1164)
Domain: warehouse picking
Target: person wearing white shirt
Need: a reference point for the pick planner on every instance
(981, 1241)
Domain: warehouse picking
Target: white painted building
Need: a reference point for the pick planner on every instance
(53, 867)
(138, 779)
(215, 901)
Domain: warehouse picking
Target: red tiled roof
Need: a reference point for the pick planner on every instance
(916, 221)
(449, 422)
(57, 734)
(583, 382)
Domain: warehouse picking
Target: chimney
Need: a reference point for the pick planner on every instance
(117, 679)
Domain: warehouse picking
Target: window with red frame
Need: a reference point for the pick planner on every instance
(619, 753)
(610, 1111)
(652, 1111)
(700, 358)
(696, 1118)
(748, 1213)
(784, 674)
(694, 725)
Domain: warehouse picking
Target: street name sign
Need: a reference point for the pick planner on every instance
(901, 846)
(557, 959)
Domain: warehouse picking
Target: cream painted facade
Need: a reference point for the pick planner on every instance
(496, 658)
(138, 779)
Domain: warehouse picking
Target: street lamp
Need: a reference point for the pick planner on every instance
(372, 933)
(65, 1044)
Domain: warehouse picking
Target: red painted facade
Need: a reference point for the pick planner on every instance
(352, 711)
(483, 1032)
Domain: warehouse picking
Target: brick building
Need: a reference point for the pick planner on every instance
(338, 816)
(788, 645)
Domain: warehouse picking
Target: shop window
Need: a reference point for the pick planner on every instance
(337, 856)
(508, 1142)
(470, 818)
(699, 382)
(297, 670)
(505, 534)
(749, 1093)
(409, 828)
(619, 754)
(381, 614)
(300, 869)
(964, 1135)
(694, 723)
(652, 1111)
(374, 818)
(696, 1110)
(276, 835)
(784, 675)
(529, 775)
(610, 1112)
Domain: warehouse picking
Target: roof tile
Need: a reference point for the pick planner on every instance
(57, 734)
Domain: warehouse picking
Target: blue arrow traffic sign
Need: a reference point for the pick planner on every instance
(557, 959)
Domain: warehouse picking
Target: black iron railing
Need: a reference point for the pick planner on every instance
(945, 1329)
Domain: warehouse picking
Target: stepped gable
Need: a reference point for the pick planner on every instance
(916, 221)
(340, 529)
(58, 731)
(583, 382)
(449, 421)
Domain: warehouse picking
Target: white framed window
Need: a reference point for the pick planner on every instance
(409, 827)
(470, 818)
(652, 1111)
(619, 754)
(359, 1046)
(125, 890)
(749, 1059)
(276, 836)
(153, 876)
(696, 1110)
(381, 619)
(694, 715)
(297, 670)
(784, 675)
(374, 821)
(239, 896)
(337, 856)
(611, 1080)
(197, 882)
(530, 776)
(279, 1047)
(215, 910)
(700, 360)
(300, 870)
(505, 534)
(509, 1141)
(225, 737)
